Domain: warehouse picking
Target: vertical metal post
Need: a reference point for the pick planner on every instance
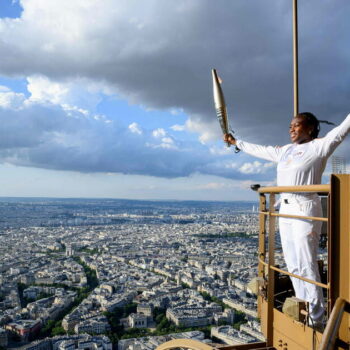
(271, 282)
(330, 302)
(262, 235)
(339, 247)
(262, 271)
(295, 57)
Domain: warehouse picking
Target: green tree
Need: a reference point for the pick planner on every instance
(129, 309)
(163, 324)
(58, 331)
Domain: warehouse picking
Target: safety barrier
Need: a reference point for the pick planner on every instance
(268, 213)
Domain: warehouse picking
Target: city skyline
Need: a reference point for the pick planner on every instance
(114, 100)
(76, 266)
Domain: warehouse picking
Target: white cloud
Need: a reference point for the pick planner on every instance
(163, 145)
(255, 167)
(207, 132)
(224, 150)
(74, 95)
(230, 165)
(42, 134)
(160, 132)
(4, 88)
(167, 146)
(178, 127)
(168, 140)
(45, 131)
(10, 99)
(43, 90)
(135, 128)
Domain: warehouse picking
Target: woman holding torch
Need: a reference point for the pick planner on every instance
(301, 162)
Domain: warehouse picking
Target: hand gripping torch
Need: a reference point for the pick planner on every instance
(220, 106)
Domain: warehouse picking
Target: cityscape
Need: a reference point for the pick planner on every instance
(123, 274)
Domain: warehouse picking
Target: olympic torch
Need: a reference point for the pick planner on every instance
(220, 106)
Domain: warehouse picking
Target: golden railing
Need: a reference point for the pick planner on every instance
(197, 345)
(330, 335)
(269, 212)
(184, 344)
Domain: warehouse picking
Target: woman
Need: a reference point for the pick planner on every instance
(301, 163)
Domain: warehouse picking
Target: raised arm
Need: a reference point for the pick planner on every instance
(265, 152)
(326, 145)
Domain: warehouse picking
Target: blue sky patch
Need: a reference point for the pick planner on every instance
(10, 9)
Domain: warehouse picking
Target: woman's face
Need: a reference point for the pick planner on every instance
(299, 131)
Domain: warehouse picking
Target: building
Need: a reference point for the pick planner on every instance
(97, 325)
(235, 304)
(72, 342)
(28, 278)
(32, 292)
(70, 251)
(69, 321)
(26, 329)
(137, 321)
(3, 338)
(230, 336)
(338, 165)
(146, 309)
(38, 345)
(189, 317)
(226, 317)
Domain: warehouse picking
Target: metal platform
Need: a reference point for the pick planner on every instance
(197, 345)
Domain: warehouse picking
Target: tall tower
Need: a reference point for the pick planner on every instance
(338, 165)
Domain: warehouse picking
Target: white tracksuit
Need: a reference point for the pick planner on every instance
(301, 164)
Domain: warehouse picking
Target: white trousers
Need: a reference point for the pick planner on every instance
(300, 240)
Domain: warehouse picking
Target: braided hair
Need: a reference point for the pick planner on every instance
(311, 120)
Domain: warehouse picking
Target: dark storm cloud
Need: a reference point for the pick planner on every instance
(159, 54)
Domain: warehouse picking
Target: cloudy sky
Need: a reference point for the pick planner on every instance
(113, 98)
